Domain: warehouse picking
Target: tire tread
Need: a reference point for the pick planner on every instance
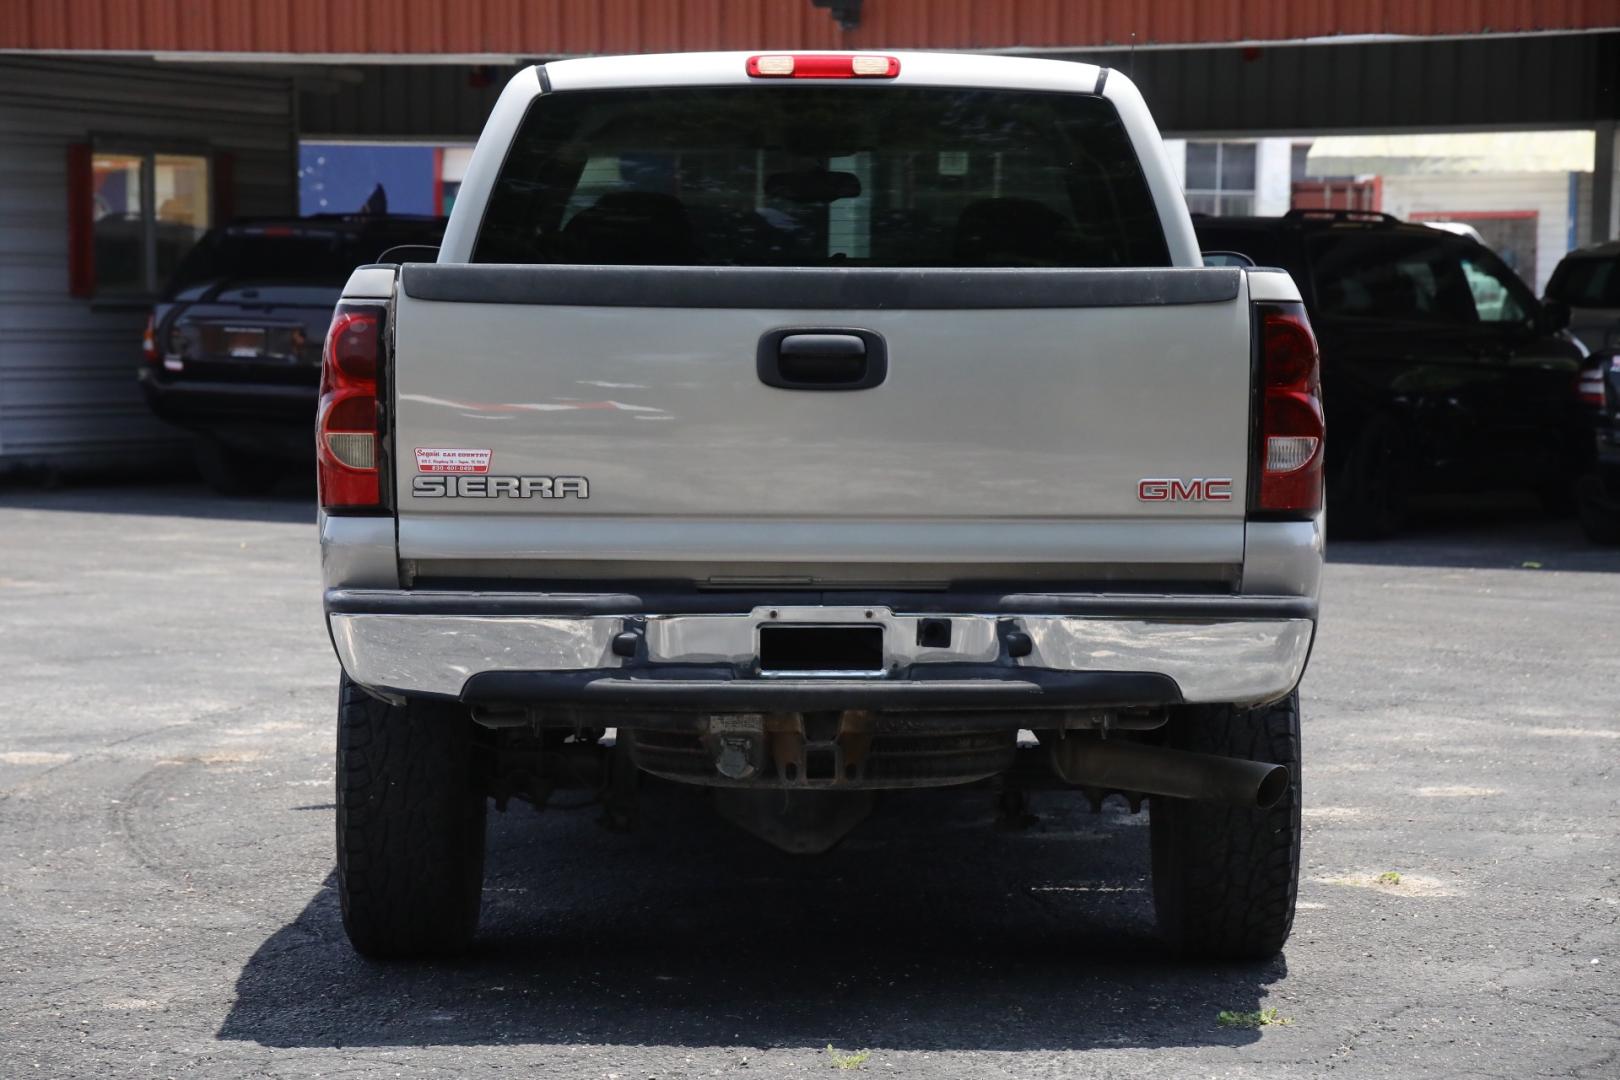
(1225, 879)
(410, 826)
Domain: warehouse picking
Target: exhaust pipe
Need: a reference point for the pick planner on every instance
(1118, 765)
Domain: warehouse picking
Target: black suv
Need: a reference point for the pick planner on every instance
(1440, 369)
(233, 350)
(1599, 490)
(1588, 283)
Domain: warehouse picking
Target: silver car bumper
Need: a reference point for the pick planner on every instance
(1234, 650)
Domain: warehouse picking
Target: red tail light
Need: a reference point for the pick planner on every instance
(1589, 385)
(1289, 446)
(822, 66)
(348, 420)
(149, 349)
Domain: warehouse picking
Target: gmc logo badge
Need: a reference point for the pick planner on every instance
(1213, 489)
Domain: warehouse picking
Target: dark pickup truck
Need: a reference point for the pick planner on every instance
(1441, 371)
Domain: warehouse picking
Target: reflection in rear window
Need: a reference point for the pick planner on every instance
(814, 176)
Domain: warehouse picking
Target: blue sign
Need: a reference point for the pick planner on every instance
(342, 178)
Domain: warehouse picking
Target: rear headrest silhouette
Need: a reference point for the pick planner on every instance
(1012, 232)
(630, 228)
(1396, 295)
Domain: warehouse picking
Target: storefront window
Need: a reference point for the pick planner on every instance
(147, 211)
(120, 244)
(181, 196)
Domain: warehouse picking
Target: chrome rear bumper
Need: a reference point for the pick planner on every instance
(1110, 649)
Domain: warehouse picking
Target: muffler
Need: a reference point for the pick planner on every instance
(1118, 765)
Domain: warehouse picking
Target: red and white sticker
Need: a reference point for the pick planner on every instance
(430, 459)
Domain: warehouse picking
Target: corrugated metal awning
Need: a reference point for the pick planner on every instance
(507, 29)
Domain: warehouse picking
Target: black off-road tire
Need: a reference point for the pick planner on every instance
(1225, 878)
(231, 472)
(1556, 494)
(410, 826)
(1599, 513)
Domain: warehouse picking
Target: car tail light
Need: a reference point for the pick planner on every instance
(822, 66)
(149, 349)
(348, 421)
(1289, 443)
(1589, 385)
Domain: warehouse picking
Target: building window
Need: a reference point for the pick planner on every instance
(1220, 178)
(147, 209)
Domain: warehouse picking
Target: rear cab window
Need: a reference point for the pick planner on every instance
(289, 256)
(1587, 282)
(1262, 245)
(1403, 277)
(822, 176)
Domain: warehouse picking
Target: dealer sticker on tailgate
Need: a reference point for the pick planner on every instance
(449, 460)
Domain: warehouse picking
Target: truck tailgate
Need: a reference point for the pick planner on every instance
(1019, 411)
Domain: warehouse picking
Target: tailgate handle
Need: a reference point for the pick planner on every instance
(822, 359)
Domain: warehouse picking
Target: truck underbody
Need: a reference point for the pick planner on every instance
(795, 713)
(803, 781)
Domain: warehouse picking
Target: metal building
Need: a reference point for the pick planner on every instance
(128, 125)
(67, 348)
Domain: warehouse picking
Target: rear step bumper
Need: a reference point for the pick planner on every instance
(611, 651)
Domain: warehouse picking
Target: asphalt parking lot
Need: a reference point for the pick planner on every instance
(166, 900)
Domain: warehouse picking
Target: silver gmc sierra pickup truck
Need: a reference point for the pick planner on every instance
(806, 428)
